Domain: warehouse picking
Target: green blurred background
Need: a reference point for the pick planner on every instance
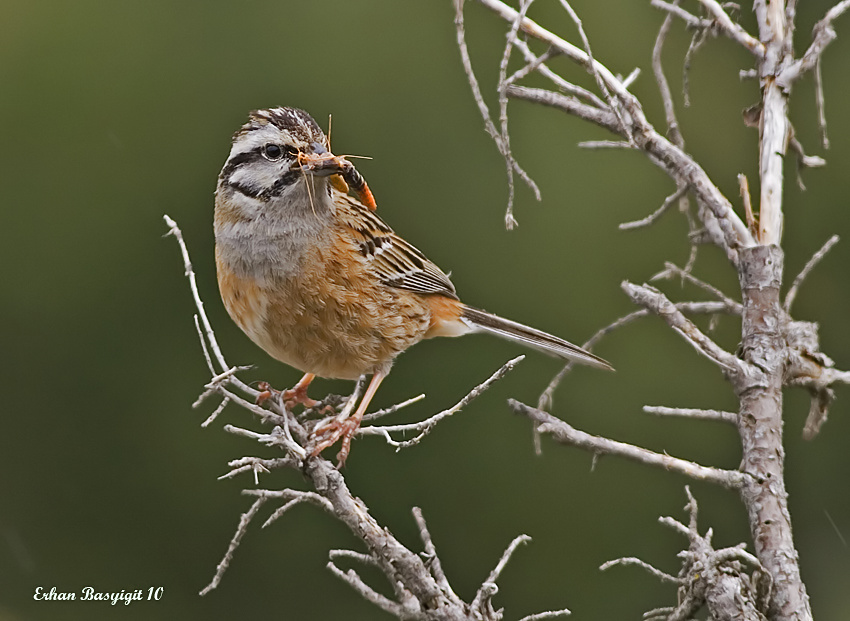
(114, 113)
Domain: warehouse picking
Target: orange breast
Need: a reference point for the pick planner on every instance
(334, 319)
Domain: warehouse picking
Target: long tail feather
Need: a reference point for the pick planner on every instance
(482, 321)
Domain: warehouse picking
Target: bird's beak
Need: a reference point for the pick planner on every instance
(318, 161)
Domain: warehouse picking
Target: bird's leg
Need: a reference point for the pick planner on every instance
(292, 397)
(335, 429)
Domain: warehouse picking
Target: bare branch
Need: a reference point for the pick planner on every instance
(613, 103)
(805, 161)
(546, 399)
(549, 614)
(292, 498)
(732, 233)
(562, 84)
(733, 30)
(393, 408)
(692, 413)
(216, 412)
(812, 263)
(368, 593)
(566, 434)
(822, 35)
(488, 588)
(630, 560)
(423, 428)
(605, 144)
(657, 302)
(690, 19)
(821, 105)
(504, 149)
(653, 217)
(255, 465)
(174, 230)
(744, 188)
(244, 520)
(673, 131)
(671, 271)
(602, 117)
(430, 552)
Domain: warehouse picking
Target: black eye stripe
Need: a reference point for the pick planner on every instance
(236, 161)
(253, 155)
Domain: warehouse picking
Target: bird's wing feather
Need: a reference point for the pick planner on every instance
(395, 262)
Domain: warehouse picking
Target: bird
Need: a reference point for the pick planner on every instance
(311, 273)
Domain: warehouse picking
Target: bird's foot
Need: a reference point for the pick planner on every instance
(291, 397)
(329, 433)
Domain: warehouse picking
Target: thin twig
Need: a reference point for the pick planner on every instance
(423, 428)
(692, 413)
(630, 560)
(744, 189)
(605, 144)
(295, 497)
(812, 263)
(393, 408)
(505, 146)
(366, 592)
(174, 230)
(613, 103)
(531, 66)
(430, 552)
(820, 103)
(690, 19)
(822, 35)
(549, 614)
(562, 84)
(671, 270)
(244, 521)
(673, 130)
(511, 163)
(488, 587)
(653, 217)
(733, 30)
(216, 412)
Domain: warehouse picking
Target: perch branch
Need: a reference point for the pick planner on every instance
(422, 589)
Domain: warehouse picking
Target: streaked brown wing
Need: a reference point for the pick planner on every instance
(395, 262)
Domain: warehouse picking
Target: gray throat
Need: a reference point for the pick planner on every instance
(270, 238)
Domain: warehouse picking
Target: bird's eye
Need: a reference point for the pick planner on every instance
(272, 152)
